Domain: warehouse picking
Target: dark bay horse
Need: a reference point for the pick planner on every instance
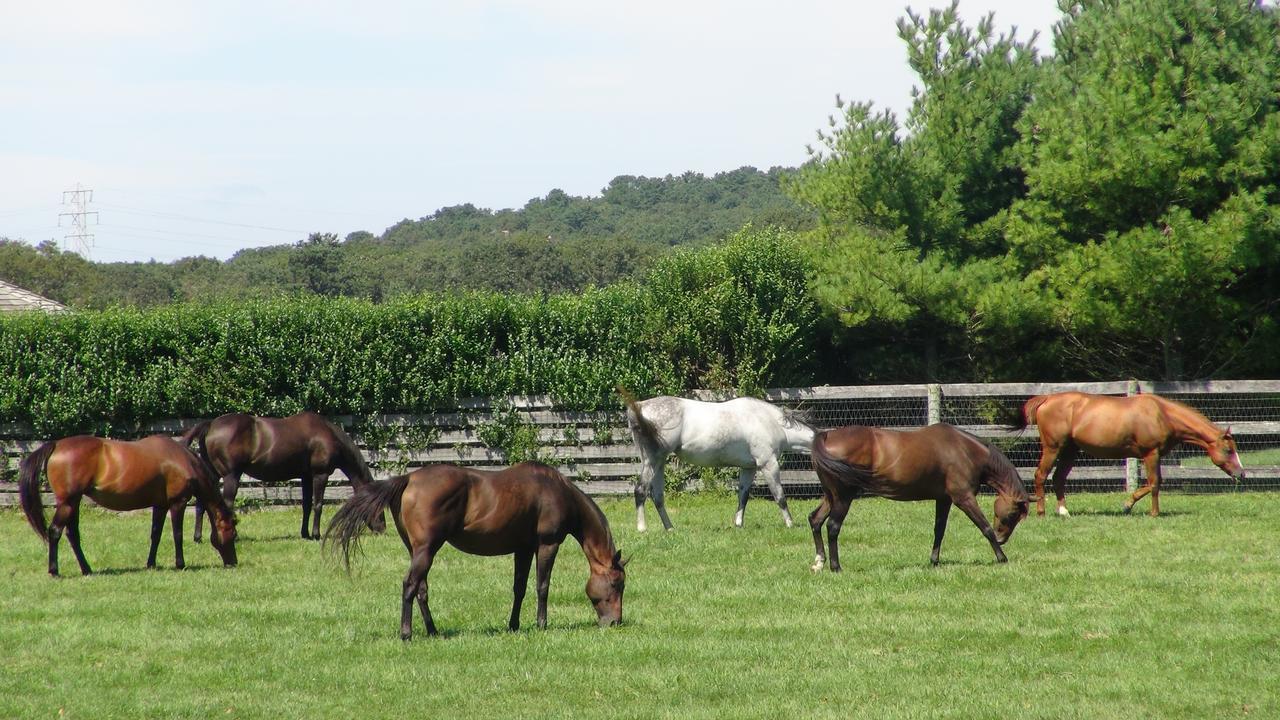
(1147, 427)
(305, 446)
(525, 510)
(153, 472)
(939, 463)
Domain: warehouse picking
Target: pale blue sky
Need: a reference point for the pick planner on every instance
(208, 127)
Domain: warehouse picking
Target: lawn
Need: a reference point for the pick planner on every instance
(1099, 615)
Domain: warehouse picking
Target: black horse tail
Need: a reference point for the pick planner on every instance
(1019, 417)
(29, 472)
(363, 508)
(197, 433)
(828, 465)
(642, 427)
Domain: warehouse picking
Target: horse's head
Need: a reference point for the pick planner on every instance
(224, 534)
(1223, 453)
(604, 588)
(1009, 512)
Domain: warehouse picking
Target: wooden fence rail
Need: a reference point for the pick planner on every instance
(595, 449)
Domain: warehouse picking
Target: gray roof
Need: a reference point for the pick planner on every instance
(14, 298)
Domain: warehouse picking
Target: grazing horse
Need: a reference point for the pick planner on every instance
(939, 463)
(305, 446)
(153, 472)
(744, 433)
(525, 510)
(1143, 426)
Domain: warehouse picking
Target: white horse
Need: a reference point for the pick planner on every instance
(744, 433)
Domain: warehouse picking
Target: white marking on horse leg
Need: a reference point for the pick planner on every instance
(737, 519)
(817, 564)
(1062, 511)
(640, 519)
(786, 517)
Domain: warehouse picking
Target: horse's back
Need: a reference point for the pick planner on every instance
(1104, 425)
(485, 512)
(121, 474)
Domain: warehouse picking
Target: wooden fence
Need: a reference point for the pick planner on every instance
(595, 448)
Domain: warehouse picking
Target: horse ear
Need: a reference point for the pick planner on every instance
(617, 560)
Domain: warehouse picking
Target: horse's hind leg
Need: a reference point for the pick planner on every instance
(318, 485)
(773, 475)
(73, 537)
(176, 510)
(816, 518)
(839, 509)
(648, 468)
(746, 477)
(1066, 460)
(941, 512)
(308, 490)
(969, 504)
(415, 585)
(657, 491)
(1048, 453)
(62, 515)
(157, 529)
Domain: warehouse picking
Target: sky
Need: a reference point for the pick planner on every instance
(205, 128)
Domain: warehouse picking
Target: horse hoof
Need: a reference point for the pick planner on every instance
(817, 565)
(1062, 511)
(1126, 508)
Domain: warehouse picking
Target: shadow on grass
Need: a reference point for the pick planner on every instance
(109, 572)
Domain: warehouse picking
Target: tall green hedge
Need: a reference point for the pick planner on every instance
(733, 315)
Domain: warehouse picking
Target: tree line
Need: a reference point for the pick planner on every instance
(1109, 210)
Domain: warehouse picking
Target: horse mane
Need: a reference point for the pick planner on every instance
(1002, 476)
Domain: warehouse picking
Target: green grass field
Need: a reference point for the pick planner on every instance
(1097, 616)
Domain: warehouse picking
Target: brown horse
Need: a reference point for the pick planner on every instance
(525, 510)
(305, 446)
(153, 472)
(1143, 426)
(939, 463)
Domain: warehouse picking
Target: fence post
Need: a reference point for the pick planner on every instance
(1131, 464)
(934, 407)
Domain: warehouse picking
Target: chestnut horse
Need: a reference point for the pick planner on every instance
(1143, 426)
(153, 472)
(525, 510)
(305, 446)
(939, 463)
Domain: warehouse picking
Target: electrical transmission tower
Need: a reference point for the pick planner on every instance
(80, 240)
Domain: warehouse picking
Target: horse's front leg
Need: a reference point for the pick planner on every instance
(816, 518)
(307, 490)
(969, 504)
(1151, 461)
(941, 512)
(524, 558)
(546, 560)
(318, 484)
(176, 510)
(157, 530)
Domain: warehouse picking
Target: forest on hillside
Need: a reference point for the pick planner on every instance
(555, 243)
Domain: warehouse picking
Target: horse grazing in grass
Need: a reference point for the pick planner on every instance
(525, 510)
(744, 433)
(939, 463)
(1143, 426)
(153, 472)
(305, 446)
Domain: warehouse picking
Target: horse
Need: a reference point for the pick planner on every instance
(153, 472)
(744, 433)
(1143, 426)
(525, 510)
(938, 462)
(305, 446)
